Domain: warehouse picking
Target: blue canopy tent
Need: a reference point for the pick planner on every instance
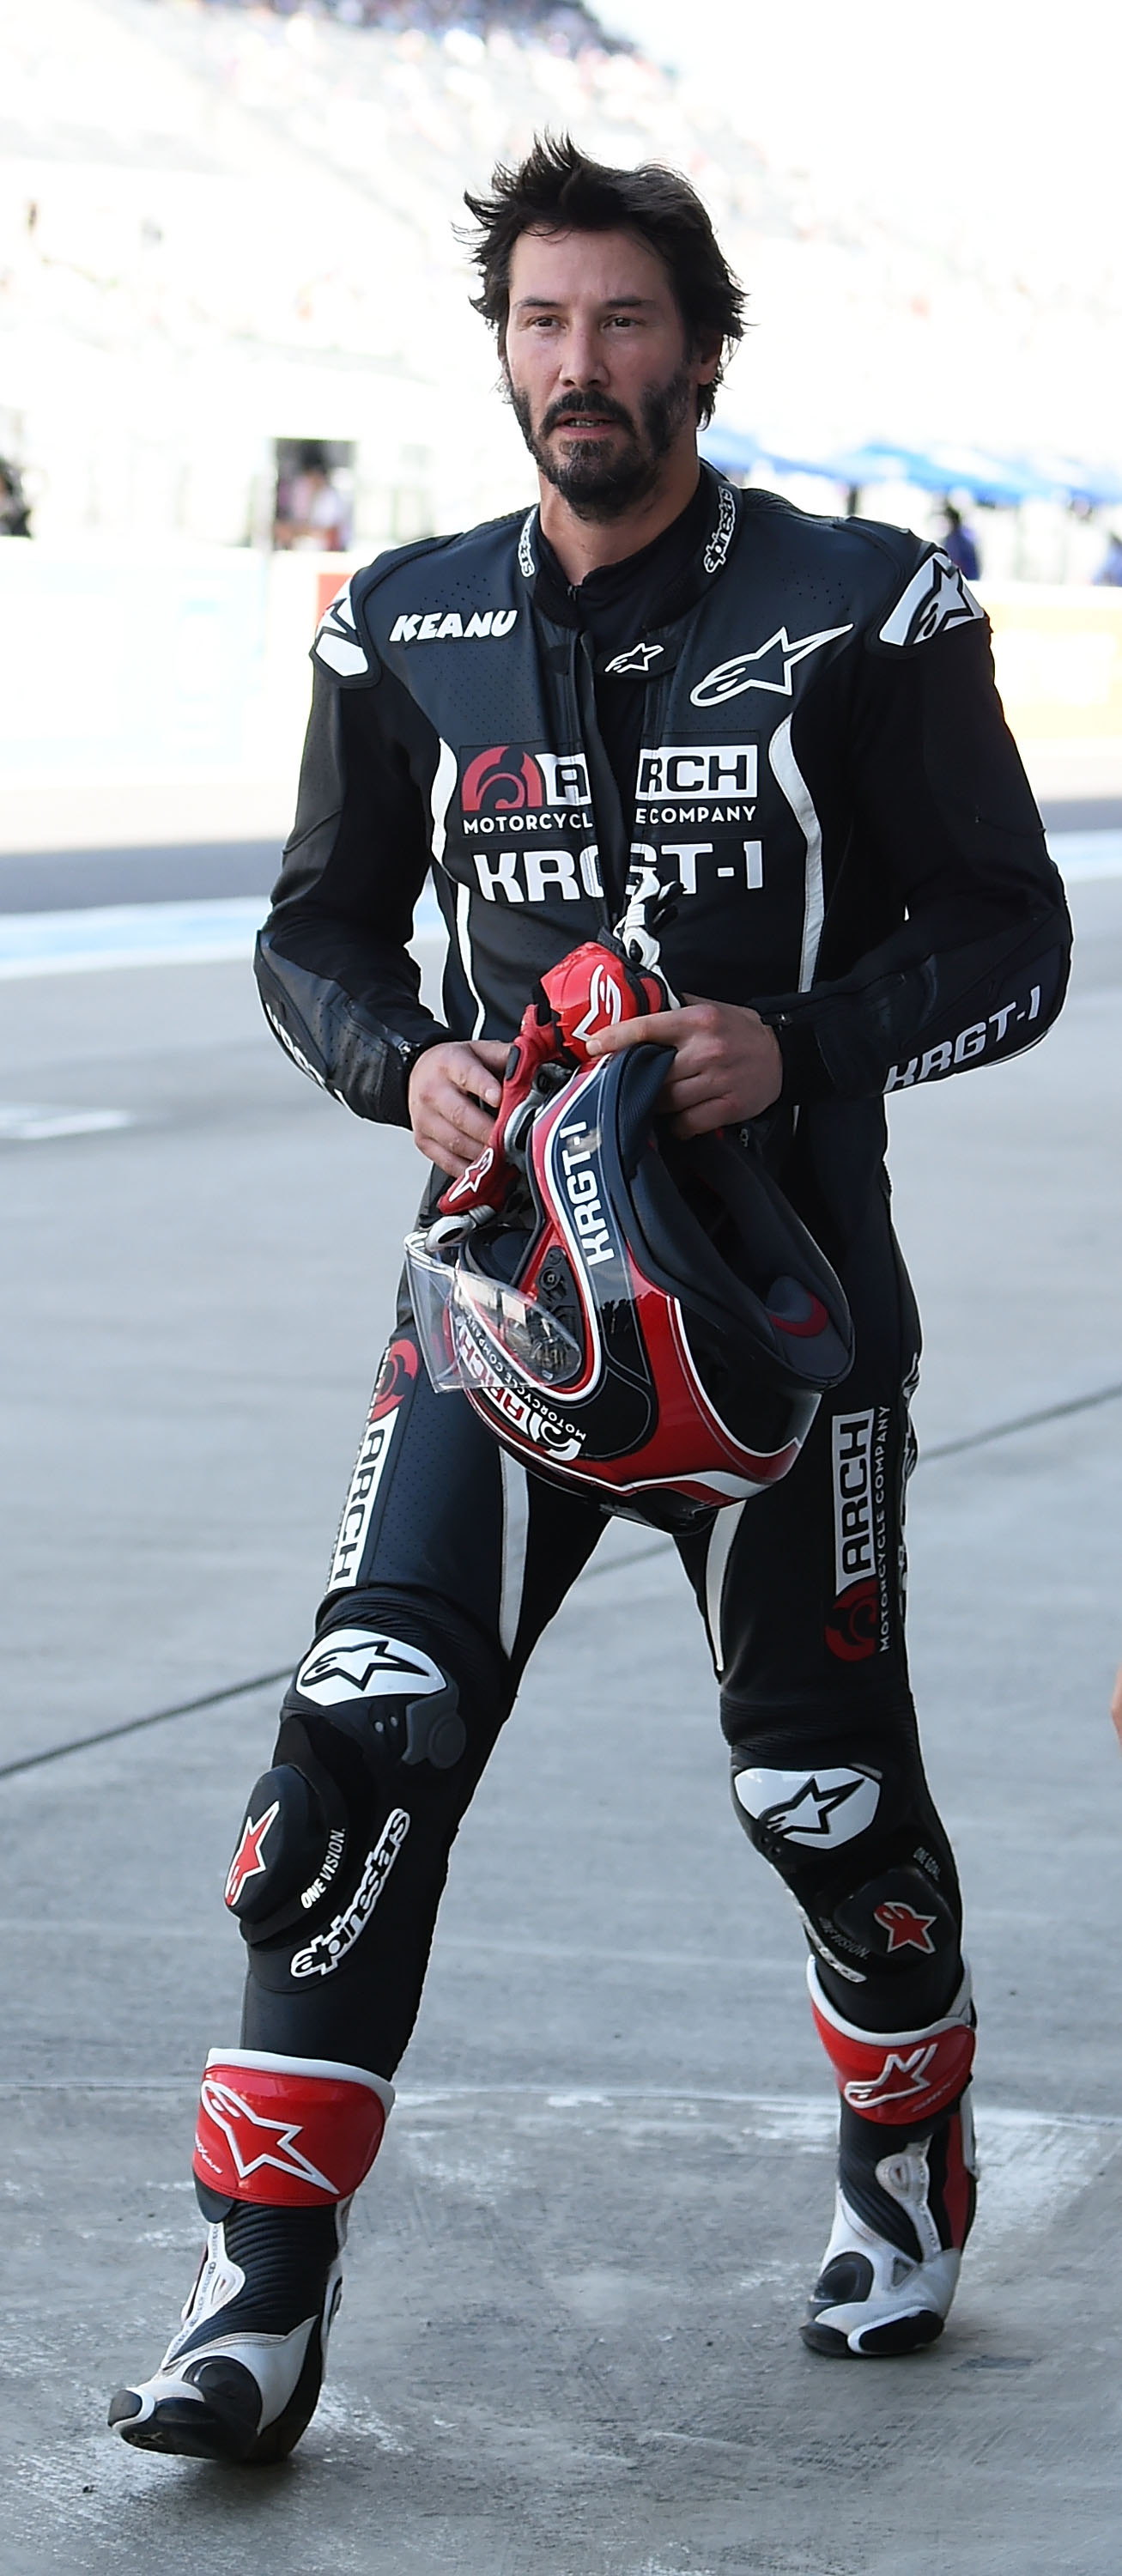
(943, 467)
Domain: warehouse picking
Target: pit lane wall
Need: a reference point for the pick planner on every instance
(193, 665)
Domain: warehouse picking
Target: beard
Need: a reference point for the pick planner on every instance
(597, 488)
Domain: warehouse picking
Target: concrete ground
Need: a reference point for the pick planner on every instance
(567, 2346)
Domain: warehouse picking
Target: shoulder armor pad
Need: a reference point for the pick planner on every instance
(338, 644)
(936, 597)
(342, 643)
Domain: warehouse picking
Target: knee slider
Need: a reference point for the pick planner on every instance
(364, 1706)
(895, 1937)
(288, 1852)
(896, 1922)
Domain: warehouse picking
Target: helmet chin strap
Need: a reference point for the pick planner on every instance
(650, 906)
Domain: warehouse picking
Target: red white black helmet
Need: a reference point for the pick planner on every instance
(645, 1320)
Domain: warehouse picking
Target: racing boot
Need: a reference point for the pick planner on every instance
(281, 2147)
(906, 2182)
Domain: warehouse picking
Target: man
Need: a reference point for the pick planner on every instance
(649, 679)
(959, 542)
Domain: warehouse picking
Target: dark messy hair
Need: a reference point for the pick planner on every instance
(557, 189)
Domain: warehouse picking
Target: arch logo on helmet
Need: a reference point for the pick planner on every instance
(644, 1320)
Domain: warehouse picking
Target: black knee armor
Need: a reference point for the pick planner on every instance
(859, 1843)
(369, 1714)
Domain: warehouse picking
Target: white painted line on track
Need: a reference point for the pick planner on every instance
(33, 1123)
(128, 934)
(1083, 855)
(1032, 2164)
(220, 931)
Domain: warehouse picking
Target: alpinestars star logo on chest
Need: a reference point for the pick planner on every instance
(769, 667)
(639, 658)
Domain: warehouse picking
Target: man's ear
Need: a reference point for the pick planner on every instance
(707, 356)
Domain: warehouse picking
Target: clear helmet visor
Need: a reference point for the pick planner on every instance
(540, 1347)
(431, 1282)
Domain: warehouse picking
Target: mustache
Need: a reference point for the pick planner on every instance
(590, 406)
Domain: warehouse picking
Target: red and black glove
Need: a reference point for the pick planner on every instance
(593, 988)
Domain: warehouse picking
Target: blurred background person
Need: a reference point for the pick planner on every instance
(960, 543)
(313, 515)
(1110, 569)
(15, 516)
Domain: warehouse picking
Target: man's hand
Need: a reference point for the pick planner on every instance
(446, 1086)
(727, 1065)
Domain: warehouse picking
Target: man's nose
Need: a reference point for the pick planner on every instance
(583, 358)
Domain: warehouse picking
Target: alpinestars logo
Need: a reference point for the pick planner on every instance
(605, 1003)
(722, 536)
(809, 1808)
(906, 1929)
(902, 2076)
(337, 639)
(639, 659)
(769, 667)
(936, 596)
(255, 2142)
(247, 1861)
(323, 1955)
(358, 1663)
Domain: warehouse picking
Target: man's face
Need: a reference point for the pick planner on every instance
(601, 379)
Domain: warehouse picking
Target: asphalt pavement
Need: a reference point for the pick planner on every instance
(568, 2342)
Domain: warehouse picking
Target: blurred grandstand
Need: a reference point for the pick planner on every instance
(229, 228)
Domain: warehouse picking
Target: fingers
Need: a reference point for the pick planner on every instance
(707, 1117)
(492, 1052)
(453, 1094)
(474, 1067)
(654, 1028)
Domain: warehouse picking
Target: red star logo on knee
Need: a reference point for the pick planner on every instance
(906, 1929)
(247, 1861)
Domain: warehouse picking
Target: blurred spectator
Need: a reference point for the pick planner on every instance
(15, 516)
(959, 543)
(1110, 569)
(313, 515)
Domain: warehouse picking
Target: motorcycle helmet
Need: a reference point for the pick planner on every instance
(647, 1321)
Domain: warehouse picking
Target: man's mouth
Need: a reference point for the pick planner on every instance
(585, 424)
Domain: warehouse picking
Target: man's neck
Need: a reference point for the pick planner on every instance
(585, 545)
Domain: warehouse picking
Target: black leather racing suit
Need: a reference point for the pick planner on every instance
(796, 719)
